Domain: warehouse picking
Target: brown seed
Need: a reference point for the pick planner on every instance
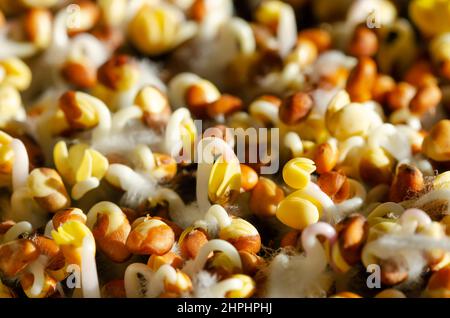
(171, 258)
(444, 69)
(250, 262)
(420, 73)
(117, 72)
(319, 37)
(196, 101)
(290, 239)
(150, 236)
(426, 99)
(197, 11)
(249, 177)
(192, 242)
(392, 273)
(439, 284)
(79, 74)
(6, 225)
(87, 17)
(295, 108)
(48, 190)
(364, 42)
(352, 235)
(112, 243)
(335, 184)
(16, 255)
(325, 157)
(400, 96)
(66, 215)
(436, 144)
(407, 182)
(38, 26)
(114, 289)
(362, 79)
(274, 100)
(383, 86)
(265, 197)
(225, 105)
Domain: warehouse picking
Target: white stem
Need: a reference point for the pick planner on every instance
(287, 30)
(20, 165)
(176, 204)
(123, 116)
(16, 230)
(165, 273)
(356, 201)
(89, 277)
(103, 206)
(172, 142)
(83, 187)
(37, 268)
(217, 215)
(311, 245)
(411, 219)
(144, 157)
(265, 109)
(328, 206)
(293, 141)
(213, 245)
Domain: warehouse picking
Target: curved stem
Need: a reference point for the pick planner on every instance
(356, 201)
(311, 245)
(411, 219)
(213, 245)
(329, 208)
(293, 141)
(172, 141)
(124, 115)
(16, 230)
(165, 273)
(37, 268)
(144, 157)
(83, 187)
(217, 215)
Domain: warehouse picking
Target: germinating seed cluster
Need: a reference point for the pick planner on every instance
(110, 188)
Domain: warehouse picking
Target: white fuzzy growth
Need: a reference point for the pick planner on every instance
(407, 251)
(202, 284)
(137, 186)
(292, 276)
(125, 141)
